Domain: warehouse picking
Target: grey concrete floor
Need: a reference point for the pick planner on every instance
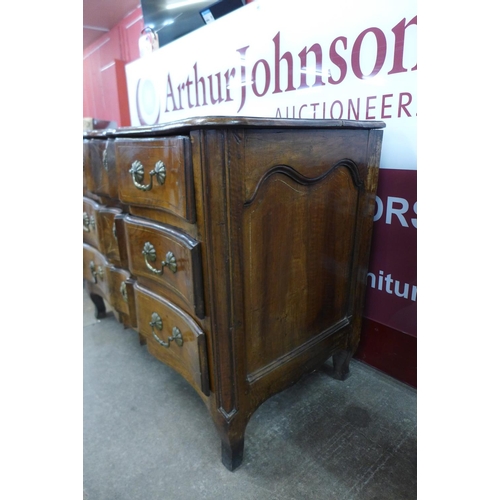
(147, 435)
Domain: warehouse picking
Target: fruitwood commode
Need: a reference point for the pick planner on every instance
(236, 247)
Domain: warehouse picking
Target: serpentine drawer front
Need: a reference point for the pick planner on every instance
(108, 237)
(167, 256)
(111, 283)
(99, 230)
(121, 294)
(173, 337)
(237, 248)
(156, 173)
(86, 165)
(90, 210)
(94, 269)
(102, 178)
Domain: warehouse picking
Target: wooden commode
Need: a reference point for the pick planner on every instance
(236, 247)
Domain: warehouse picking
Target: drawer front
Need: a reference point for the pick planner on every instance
(99, 230)
(90, 222)
(173, 337)
(167, 256)
(156, 173)
(102, 181)
(94, 269)
(86, 164)
(108, 236)
(121, 292)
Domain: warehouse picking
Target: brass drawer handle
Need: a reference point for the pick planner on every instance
(96, 273)
(123, 291)
(137, 172)
(157, 323)
(149, 253)
(88, 222)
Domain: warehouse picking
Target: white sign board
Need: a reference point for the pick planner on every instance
(275, 58)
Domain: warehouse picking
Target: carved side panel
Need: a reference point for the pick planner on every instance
(298, 247)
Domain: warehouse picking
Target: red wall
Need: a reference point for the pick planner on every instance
(389, 335)
(104, 83)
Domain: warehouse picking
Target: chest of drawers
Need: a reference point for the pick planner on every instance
(237, 248)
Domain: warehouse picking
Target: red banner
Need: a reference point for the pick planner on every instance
(391, 297)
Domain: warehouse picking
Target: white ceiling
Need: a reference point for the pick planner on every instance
(100, 16)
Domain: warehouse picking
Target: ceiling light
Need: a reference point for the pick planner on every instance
(182, 3)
